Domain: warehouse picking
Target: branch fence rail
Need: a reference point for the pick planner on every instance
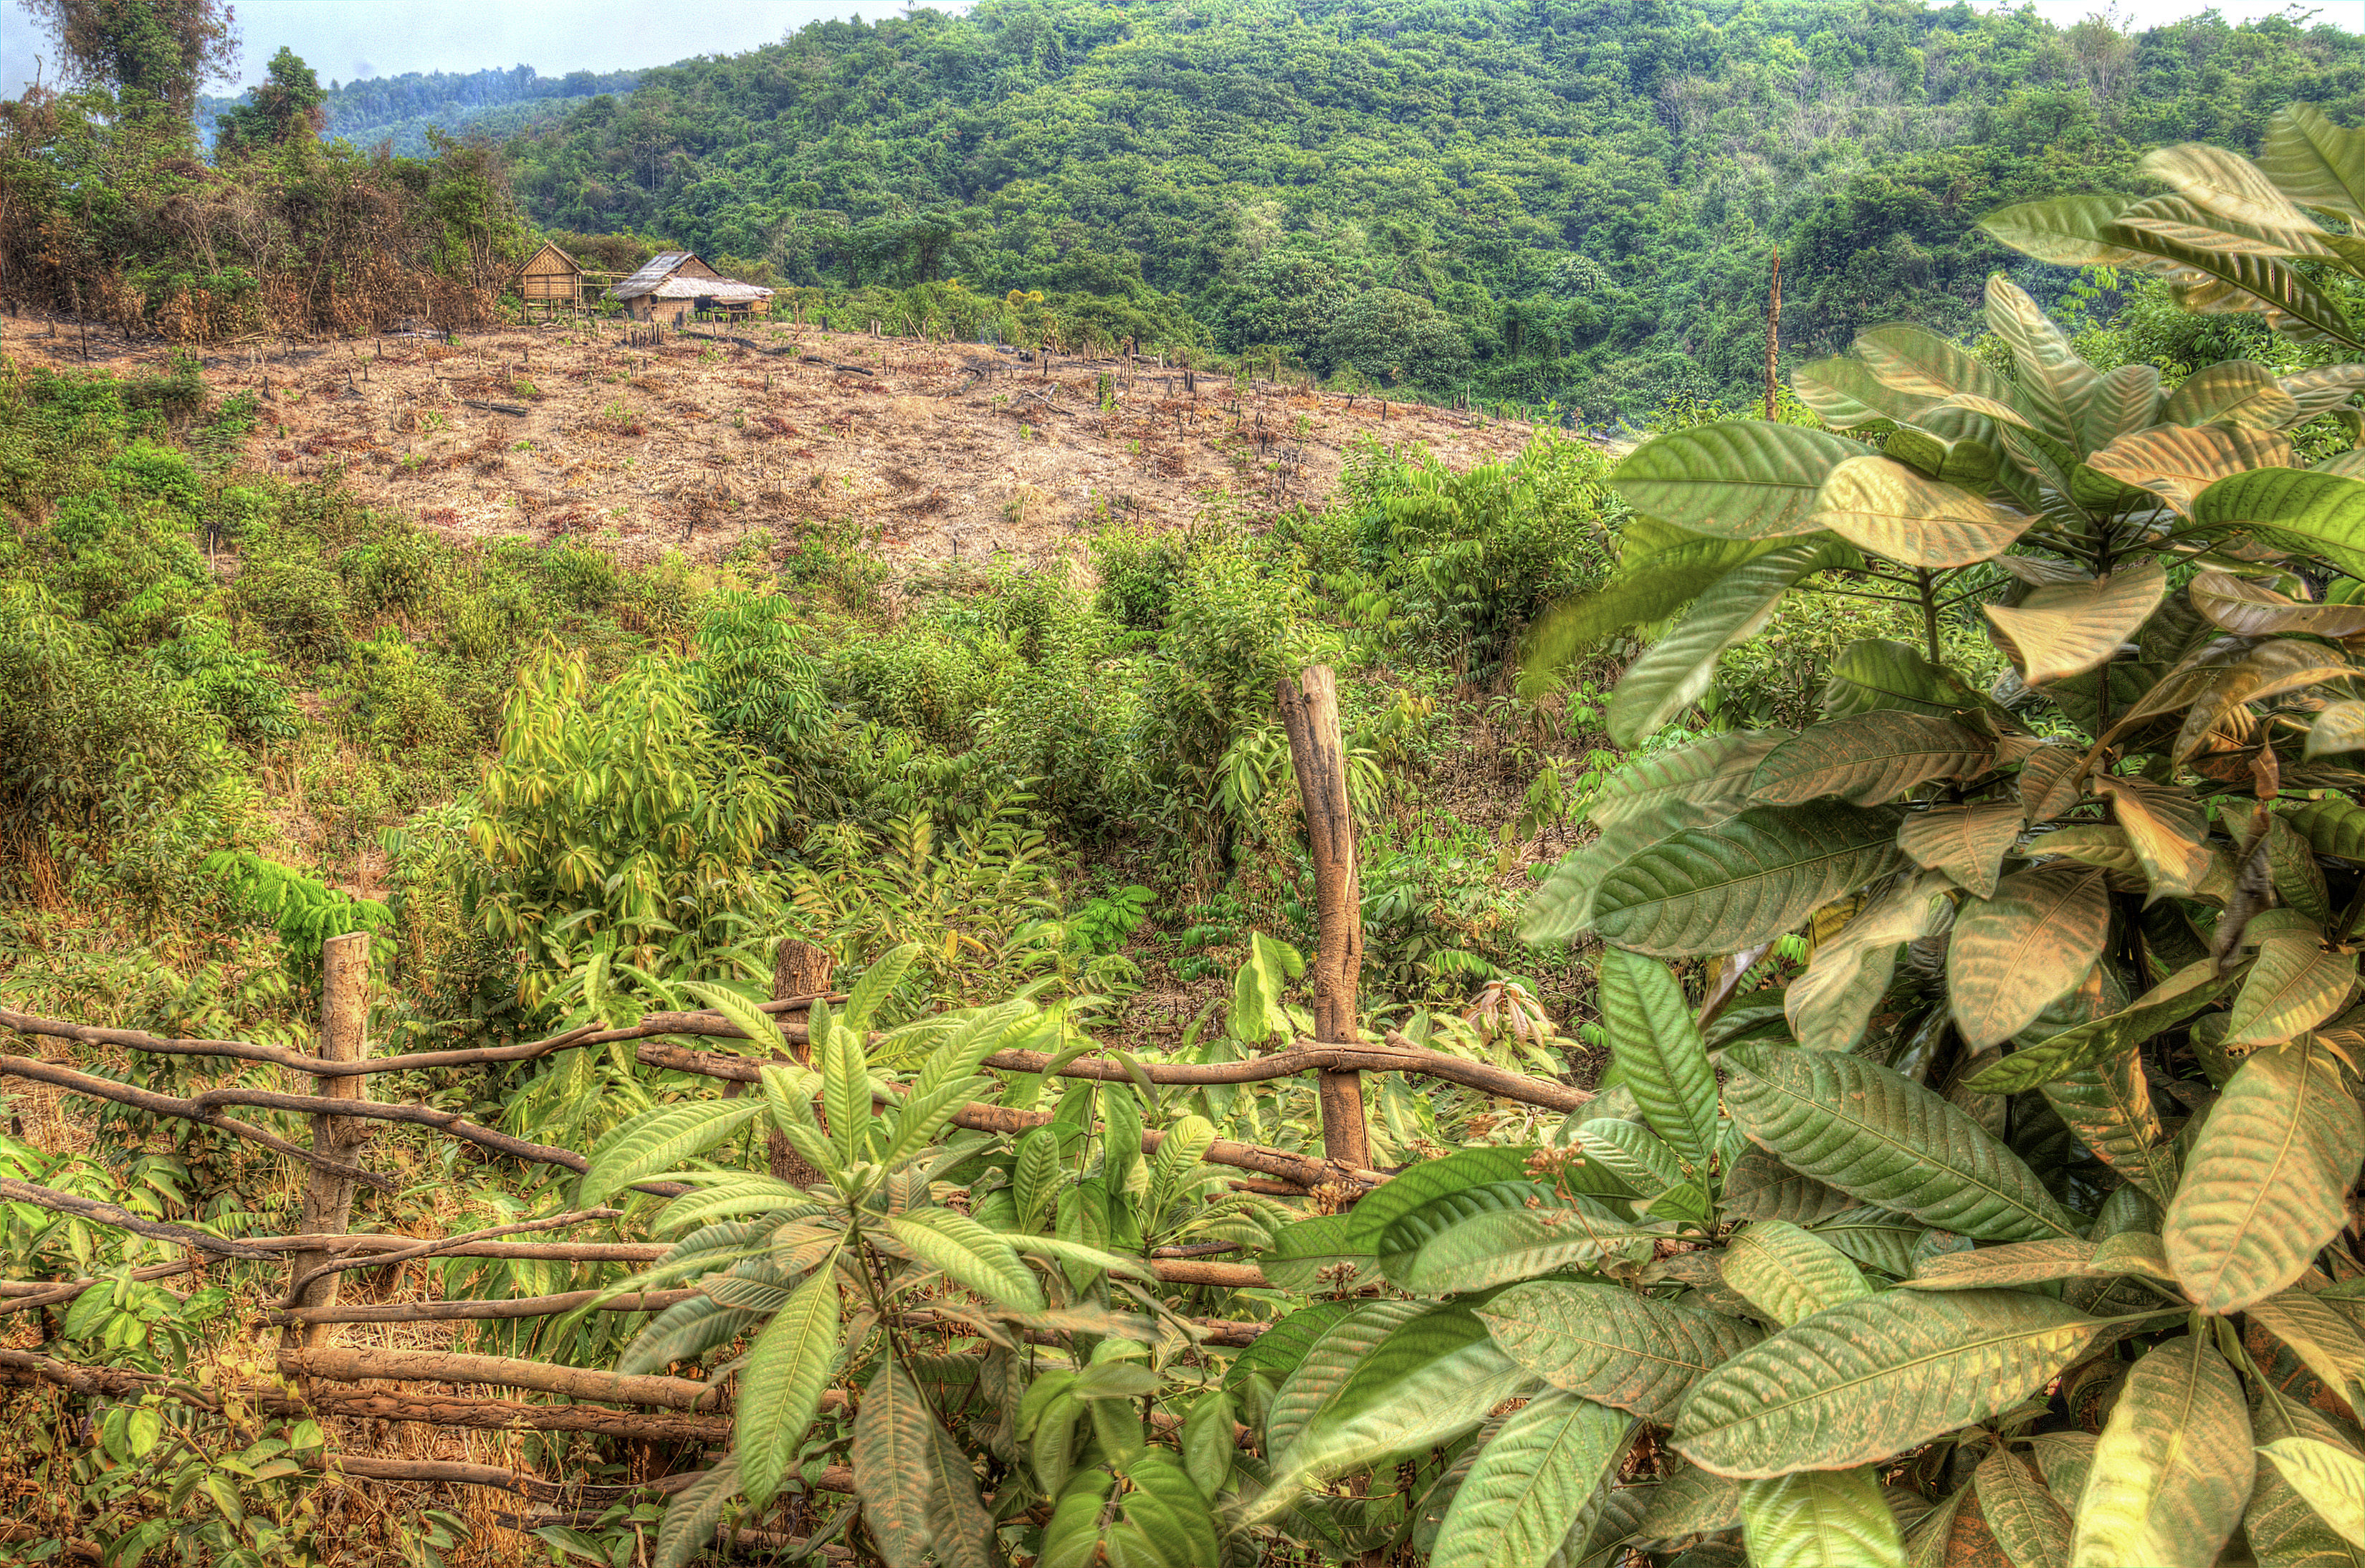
(653, 1408)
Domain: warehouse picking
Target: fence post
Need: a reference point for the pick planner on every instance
(344, 1037)
(1309, 712)
(798, 968)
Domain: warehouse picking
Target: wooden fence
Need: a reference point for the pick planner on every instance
(656, 1408)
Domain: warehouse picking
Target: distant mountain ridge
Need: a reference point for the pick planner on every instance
(401, 109)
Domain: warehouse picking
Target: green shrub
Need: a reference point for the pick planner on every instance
(299, 607)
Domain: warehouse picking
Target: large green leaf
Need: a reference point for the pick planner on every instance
(1324, 1366)
(2054, 382)
(1610, 1345)
(1862, 1380)
(969, 1253)
(2324, 512)
(2172, 1470)
(1277, 1350)
(1166, 1521)
(1967, 843)
(660, 1140)
(1877, 673)
(2241, 393)
(2164, 1006)
(1739, 479)
(2166, 827)
(2266, 1183)
(1921, 364)
(1681, 665)
(2070, 231)
(781, 1389)
(1428, 1381)
(2295, 984)
(2178, 464)
(1787, 1273)
(1314, 1255)
(2284, 1531)
(1759, 1186)
(1821, 1518)
(1723, 889)
(1827, 1006)
(690, 1517)
(2332, 826)
(1530, 1483)
(1846, 394)
(2016, 953)
(894, 1463)
(2109, 1107)
(1711, 774)
(1858, 1126)
(2227, 185)
(1868, 759)
(1662, 569)
(1689, 1502)
(1659, 1054)
(2324, 1338)
(1505, 1244)
(1895, 513)
(2028, 1522)
(2069, 628)
(1419, 1185)
(2126, 401)
(2249, 609)
(2314, 162)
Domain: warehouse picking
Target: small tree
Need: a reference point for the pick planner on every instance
(167, 49)
(285, 107)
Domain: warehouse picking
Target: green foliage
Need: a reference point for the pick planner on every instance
(620, 824)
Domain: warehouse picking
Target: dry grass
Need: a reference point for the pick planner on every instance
(943, 450)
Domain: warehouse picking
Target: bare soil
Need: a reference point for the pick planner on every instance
(935, 451)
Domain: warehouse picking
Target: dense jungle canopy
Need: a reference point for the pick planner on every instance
(1548, 201)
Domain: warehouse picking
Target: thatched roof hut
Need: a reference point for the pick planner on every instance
(673, 286)
(551, 276)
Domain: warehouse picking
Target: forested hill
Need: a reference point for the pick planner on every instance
(1542, 200)
(398, 110)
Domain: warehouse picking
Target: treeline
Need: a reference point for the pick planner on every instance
(1547, 201)
(107, 213)
(398, 110)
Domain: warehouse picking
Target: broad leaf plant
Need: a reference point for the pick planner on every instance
(2016, 1225)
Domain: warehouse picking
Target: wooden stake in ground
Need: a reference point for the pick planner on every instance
(800, 968)
(344, 1037)
(1773, 333)
(1309, 712)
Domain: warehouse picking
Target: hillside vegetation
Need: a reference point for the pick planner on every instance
(1570, 203)
(821, 941)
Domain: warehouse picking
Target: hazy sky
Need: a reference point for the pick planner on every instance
(345, 39)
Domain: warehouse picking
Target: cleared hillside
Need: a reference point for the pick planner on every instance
(929, 451)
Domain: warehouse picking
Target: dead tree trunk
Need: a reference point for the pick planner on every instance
(1309, 712)
(1773, 333)
(344, 1037)
(800, 968)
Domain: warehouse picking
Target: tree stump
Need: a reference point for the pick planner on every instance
(798, 968)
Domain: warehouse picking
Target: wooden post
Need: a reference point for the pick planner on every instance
(798, 968)
(1309, 712)
(1773, 333)
(344, 1037)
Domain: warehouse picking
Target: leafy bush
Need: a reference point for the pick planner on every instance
(1953, 1138)
(622, 825)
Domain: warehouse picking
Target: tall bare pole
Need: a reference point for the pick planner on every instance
(1309, 712)
(1773, 334)
(344, 1037)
